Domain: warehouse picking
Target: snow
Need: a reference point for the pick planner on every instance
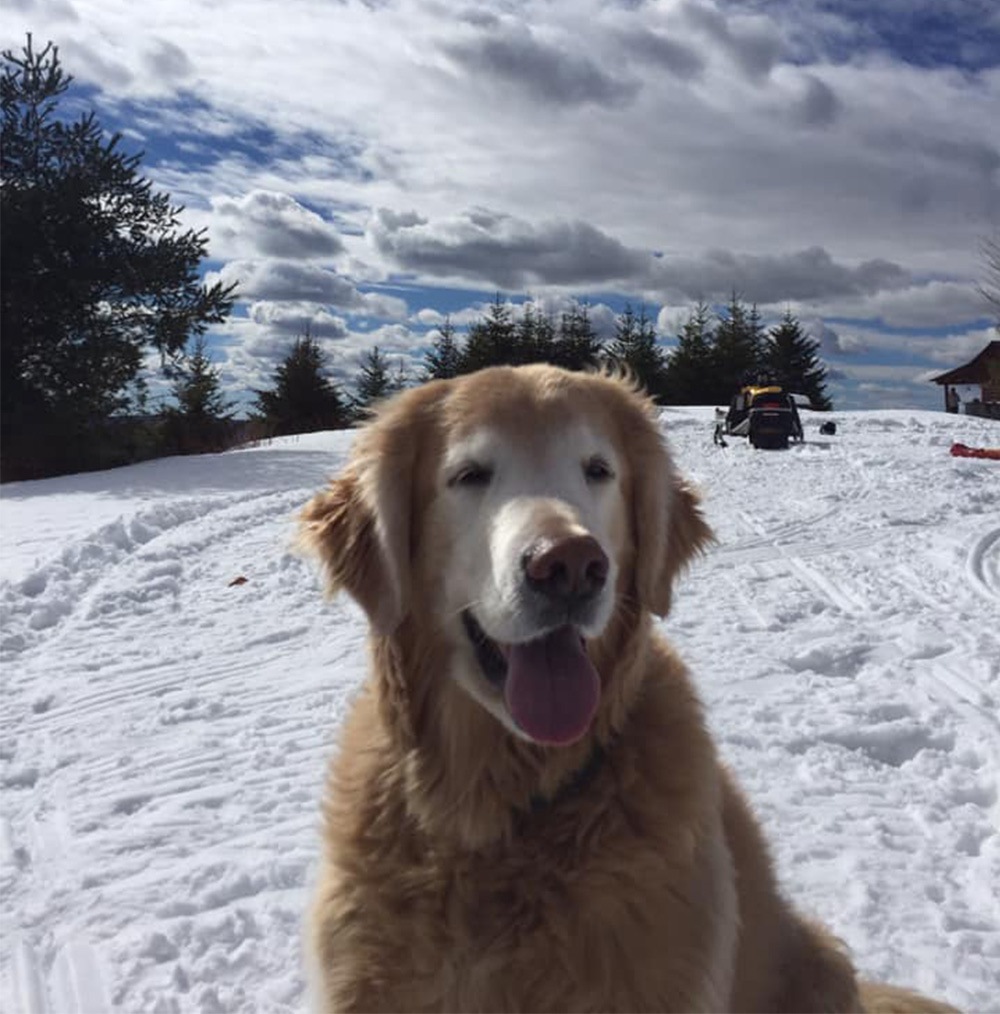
(163, 734)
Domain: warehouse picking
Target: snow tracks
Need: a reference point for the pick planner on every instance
(853, 672)
(164, 736)
(165, 730)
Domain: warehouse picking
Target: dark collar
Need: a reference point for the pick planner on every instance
(580, 780)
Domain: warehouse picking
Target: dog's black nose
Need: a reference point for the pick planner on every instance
(570, 569)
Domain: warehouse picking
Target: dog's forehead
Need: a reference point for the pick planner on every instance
(525, 405)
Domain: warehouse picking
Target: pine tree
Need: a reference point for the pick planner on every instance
(374, 382)
(95, 272)
(400, 378)
(303, 399)
(689, 374)
(756, 336)
(577, 346)
(738, 350)
(545, 350)
(201, 419)
(635, 347)
(525, 344)
(491, 341)
(443, 360)
(198, 386)
(791, 358)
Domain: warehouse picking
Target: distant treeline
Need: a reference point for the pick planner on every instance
(715, 353)
(101, 282)
(714, 356)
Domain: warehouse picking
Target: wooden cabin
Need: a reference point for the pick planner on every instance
(982, 372)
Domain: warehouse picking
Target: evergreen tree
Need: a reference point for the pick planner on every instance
(95, 272)
(634, 346)
(791, 358)
(738, 350)
(491, 341)
(400, 378)
(201, 419)
(443, 359)
(689, 375)
(577, 346)
(198, 386)
(545, 350)
(374, 382)
(303, 399)
(525, 344)
(757, 337)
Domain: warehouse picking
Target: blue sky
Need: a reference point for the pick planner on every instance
(366, 168)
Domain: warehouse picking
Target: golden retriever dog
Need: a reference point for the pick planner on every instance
(526, 811)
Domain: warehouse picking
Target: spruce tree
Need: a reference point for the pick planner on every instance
(545, 350)
(577, 346)
(689, 374)
(492, 340)
(524, 348)
(200, 421)
(635, 347)
(443, 360)
(737, 350)
(96, 271)
(198, 385)
(374, 382)
(400, 378)
(303, 399)
(757, 338)
(791, 358)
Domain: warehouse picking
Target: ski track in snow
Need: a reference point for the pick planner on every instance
(164, 735)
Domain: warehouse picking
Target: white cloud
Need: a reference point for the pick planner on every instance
(899, 161)
(268, 224)
(538, 70)
(670, 320)
(667, 150)
(297, 318)
(503, 250)
(297, 281)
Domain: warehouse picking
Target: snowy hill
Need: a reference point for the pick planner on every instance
(163, 734)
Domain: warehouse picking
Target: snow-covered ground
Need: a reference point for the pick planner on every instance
(163, 734)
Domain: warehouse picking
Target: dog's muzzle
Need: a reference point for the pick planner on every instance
(549, 685)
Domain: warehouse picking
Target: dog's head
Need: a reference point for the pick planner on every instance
(513, 514)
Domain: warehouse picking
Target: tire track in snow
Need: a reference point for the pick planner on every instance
(982, 566)
(169, 753)
(953, 687)
(37, 606)
(75, 981)
(846, 601)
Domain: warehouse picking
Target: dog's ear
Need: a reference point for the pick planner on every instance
(361, 526)
(669, 527)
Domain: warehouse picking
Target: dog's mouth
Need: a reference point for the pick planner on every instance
(550, 686)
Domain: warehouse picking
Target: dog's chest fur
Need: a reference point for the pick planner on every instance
(550, 936)
(550, 917)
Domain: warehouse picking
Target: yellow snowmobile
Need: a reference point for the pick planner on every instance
(766, 415)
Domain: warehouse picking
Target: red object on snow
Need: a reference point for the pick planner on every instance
(961, 451)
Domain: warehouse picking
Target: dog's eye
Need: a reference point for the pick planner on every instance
(596, 469)
(472, 475)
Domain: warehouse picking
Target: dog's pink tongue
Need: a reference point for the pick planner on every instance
(552, 690)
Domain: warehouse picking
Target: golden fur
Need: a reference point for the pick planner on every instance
(467, 869)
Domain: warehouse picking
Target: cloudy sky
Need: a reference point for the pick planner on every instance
(368, 167)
